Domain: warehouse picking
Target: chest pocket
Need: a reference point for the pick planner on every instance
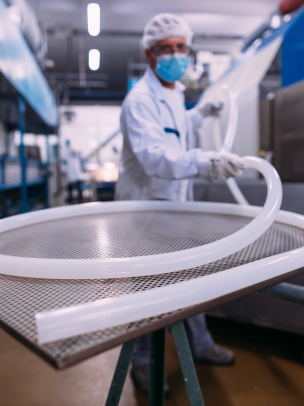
(172, 131)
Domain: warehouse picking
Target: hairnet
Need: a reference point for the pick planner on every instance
(163, 26)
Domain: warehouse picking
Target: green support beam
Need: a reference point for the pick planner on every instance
(157, 367)
(120, 373)
(187, 364)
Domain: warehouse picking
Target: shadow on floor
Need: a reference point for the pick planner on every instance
(269, 369)
(27, 380)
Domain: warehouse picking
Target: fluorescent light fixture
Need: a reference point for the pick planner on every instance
(94, 59)
(93, 10)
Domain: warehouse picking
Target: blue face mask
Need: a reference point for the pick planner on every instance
(171, 67)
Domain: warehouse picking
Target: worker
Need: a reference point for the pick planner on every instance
(158, 161)
(74, 173)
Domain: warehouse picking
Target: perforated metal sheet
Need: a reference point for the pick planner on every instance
(116, 235)
(21, 298)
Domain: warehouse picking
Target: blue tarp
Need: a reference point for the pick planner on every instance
(293, 52)
(292, 31)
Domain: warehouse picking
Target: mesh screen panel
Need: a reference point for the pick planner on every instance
(21, 298)
(116, 235)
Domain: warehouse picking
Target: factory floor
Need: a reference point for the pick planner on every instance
(267, 372)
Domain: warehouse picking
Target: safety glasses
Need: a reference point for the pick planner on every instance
(170, 49)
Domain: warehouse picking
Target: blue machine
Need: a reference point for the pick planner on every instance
(293, 52)
(292, 48)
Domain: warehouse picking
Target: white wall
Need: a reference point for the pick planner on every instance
(90, 126)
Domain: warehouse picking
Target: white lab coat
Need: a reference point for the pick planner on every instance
(74, 171)
(155, 162)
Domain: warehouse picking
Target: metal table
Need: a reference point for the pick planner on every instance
(124, 235)
(22, 297)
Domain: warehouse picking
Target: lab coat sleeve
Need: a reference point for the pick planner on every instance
(149, 144)
(195, 118)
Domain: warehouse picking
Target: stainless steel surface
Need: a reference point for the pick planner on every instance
(116, 235)
(289, 133)
(267, 124)
(255, 191)
(21, 298)
(265, 311)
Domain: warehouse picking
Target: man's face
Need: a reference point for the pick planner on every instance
(164, 47)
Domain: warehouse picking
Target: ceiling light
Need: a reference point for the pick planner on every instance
(94, 59)
(275, 21)
(93, 10)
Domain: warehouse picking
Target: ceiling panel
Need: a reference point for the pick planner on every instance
(219, 26)
(133, 14)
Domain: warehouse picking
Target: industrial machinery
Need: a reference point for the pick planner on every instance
(27, 105)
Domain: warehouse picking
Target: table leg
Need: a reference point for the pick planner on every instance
(120, 373)
(157, 367)
(285, 291)
(187, 364)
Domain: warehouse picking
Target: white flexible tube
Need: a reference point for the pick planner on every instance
(231, 183)
(84, 318)
(63, 323)
(228, 141)
(217, 139)
(233, 120)
(145, 265)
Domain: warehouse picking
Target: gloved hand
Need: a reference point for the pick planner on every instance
(224, 165)
(210, 109)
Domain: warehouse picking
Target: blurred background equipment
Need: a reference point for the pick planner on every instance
(66, 67)
(94, 132)
(28, 116)
(91, 54)
(77, 180)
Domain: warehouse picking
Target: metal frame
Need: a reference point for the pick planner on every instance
(35, 96)
(23, 160)
(157, 368)
(24, 110)
(187, 364)
(21, 110)
(120, 374)
(47, 166)
(152, 326)
(285, 291)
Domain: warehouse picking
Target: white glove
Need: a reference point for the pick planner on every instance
(223, 165)
(210, 109)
